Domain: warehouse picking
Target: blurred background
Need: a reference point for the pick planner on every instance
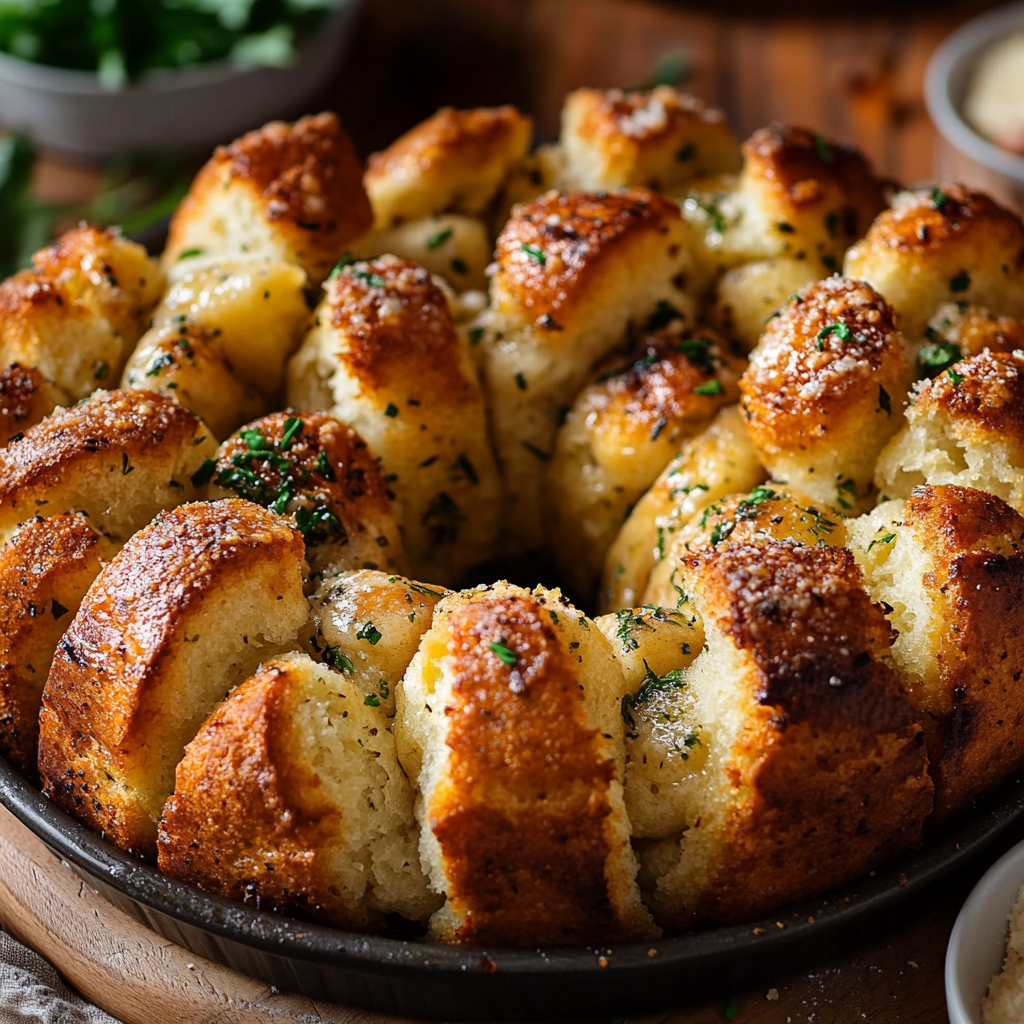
(854, 71)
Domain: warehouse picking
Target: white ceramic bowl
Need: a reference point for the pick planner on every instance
(192, 109)
(948, 78)
(977, 944)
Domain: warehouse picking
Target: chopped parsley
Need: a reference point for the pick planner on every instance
(100, 370)
(938, 198)
(162, 360)
(832, 223)
(711, 387)
(698, 352)
(652, 684)
(468, 469)
(459, 266)
(520, 380)
(538, 452)
(292, 428)
(436, 240)
(371, 700)
(187, 254)
(475, 335)
(370, 633)
(506, 656)
(535, 253)
(202, 476)
(419, 588)
(956, 378)
(823, 149)
(347, 259)
(369, 278)
(391, 411)
(884, 400)
(839, 329)
(938, 356)
(334, 656)
(324, 467)
(627, 622)
(887, 539)
(961, 282)
(846, 493)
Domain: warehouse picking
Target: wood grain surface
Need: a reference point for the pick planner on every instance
(857, 76)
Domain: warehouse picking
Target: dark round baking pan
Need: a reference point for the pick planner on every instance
(412, 978)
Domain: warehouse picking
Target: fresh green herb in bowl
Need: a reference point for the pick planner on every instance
(122, 39)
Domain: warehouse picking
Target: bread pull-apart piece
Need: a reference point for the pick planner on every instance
(287, 193)
(384, 355)
(948, 566)
(799, 195)
(291, 798)
(749, 296)
(659, 139)
(368, 625)
(121, 456)
(26, 397)
(509, 723)
(620, 434)
(187, 609)
(824, 389)
(256, 311)
(184, 362)
(454, 162)
(958, 330)
(45, 570)
(79, 312)
(574, 270)
(718, 462)
(964, 427)
(768, 513)
(815, 766)
(654, 646)
(318, 472)
(940, 245)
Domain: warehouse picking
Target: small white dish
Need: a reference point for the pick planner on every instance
(948, 78)
(186, 110)
(977, 944)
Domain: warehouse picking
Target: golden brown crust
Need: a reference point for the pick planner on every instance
(26, 396)
(275, 819)
(983, 395)
(613, 112)
(471, 148)
(400, 334)
(801, 168)
(830, 773)
(324, 478)
(305, 179)
(104, 702)
(45, 570)
(127, 426)
(973, 329)
(919, 226)
(550, 246)
(552, 889)
(973, 734)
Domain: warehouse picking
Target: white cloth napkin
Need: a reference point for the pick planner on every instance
(31, 991)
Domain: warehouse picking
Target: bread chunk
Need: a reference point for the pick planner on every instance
(748, 297)
(368, 624)
(965, 427)
(319, 472)
(573, 272)
(122, 456)
(939, 245)
(658, 138)
(385, 357)
(77, 315)
(184, 362)
(286, 193)
(26, 397)
(256, 311)
(620, 434)
(509, 722)
(958, 330)
(45, 570)
(718, 462)
(187, 609)
(454, 162)
(949, 563)
(799, 196)
(824, 390)
(815, 766)
(291, 798)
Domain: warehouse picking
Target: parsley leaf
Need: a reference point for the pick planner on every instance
(505, 655)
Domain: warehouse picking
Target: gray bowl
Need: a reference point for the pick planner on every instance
(186, 110)
(948, 78)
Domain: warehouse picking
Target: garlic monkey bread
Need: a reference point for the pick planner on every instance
(384, 356)
(286, 193)
(26, 396)
(824, 390)
(509, 724)
(188, 608)
(574, 270)
(949, 563)
(815, 765)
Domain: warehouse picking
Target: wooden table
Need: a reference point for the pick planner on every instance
(859, 78)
